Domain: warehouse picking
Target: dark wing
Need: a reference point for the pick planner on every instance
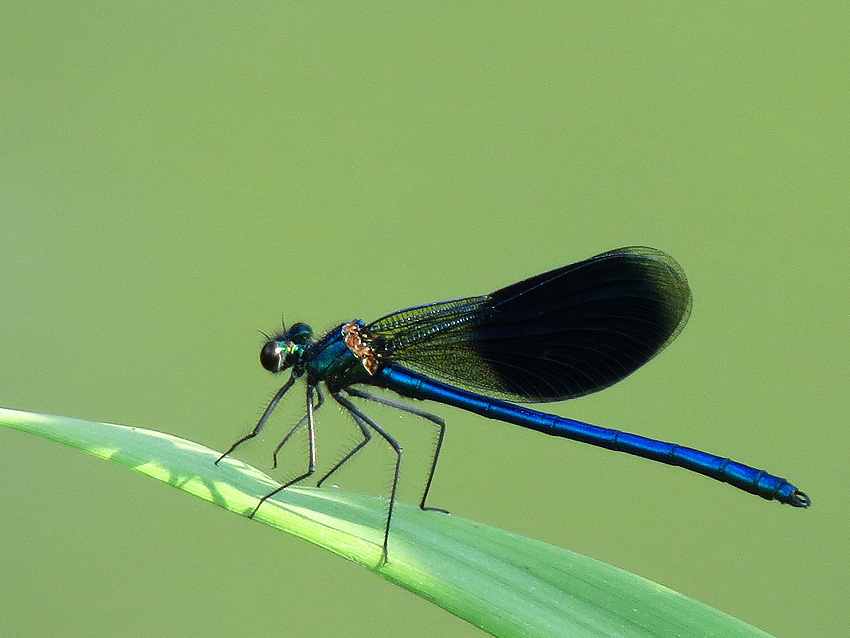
(559, 335)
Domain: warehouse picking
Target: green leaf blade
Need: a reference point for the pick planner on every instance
(503, 583)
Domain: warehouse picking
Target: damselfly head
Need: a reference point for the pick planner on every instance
(286, 350)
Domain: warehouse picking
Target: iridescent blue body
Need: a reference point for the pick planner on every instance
(759, 482)
(559, 335)
(331, 361)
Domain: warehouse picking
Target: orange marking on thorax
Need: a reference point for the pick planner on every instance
(354, 339)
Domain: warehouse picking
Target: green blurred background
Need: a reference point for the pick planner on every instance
(173, 178)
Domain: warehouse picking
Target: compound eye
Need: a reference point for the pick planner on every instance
(271, 357)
